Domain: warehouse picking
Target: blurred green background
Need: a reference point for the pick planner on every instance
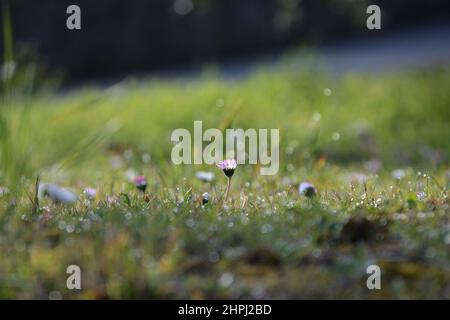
(367, 125)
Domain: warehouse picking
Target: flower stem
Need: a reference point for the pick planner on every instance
(228, 189)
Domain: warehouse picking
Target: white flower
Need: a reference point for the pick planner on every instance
(140, 182)
(205, 198)
(398, 174)
(205, 176)
(227, 164)
(421, 195)
(307, 189)
(90, 193)
(228, 167)
(57, 193)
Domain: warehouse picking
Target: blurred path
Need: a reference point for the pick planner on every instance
(423, 46)
(417, 47)
(420, 46)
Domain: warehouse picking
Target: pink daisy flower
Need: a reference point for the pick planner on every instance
(90, 193)
(307, 189)
(140, 182)
(205, 198)
(228, 167)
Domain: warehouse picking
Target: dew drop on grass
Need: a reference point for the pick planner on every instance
(327, 92)
(336, 136)
(400, 217)
(61, 225)
(128, 154)
(226, 279)
(220, 102)
(289, 150)
(213, 257)
(70, 228)
(69, 242)
(305, 242)
(146, 158)
(266, 228)
(316, 253)
(316, 116)
(258, 292)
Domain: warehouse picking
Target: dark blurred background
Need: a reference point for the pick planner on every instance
(120, 36)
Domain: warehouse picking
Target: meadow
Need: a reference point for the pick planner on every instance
(376, 147)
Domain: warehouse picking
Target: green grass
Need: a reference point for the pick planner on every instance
(268, 241)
